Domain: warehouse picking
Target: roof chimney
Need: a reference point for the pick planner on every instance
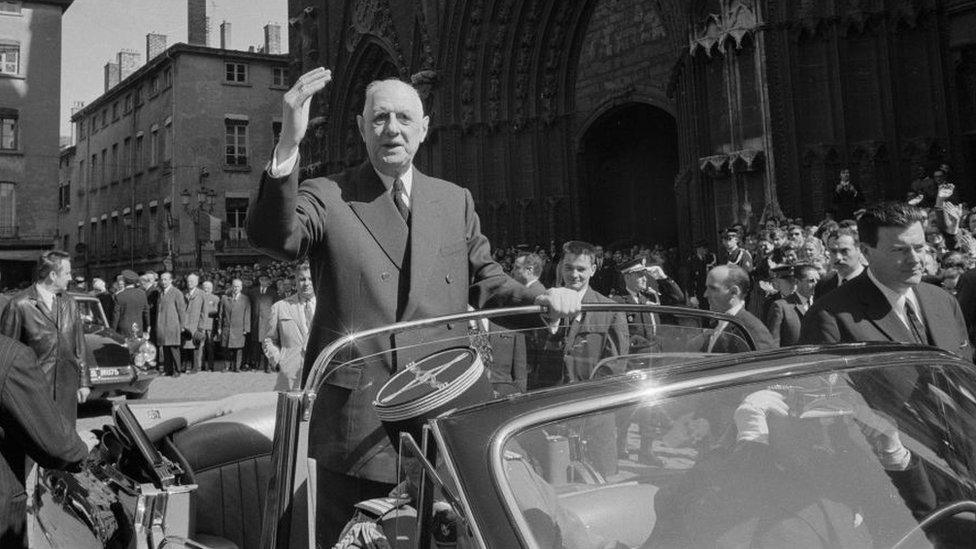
(272, 39)
(111, 75)
(75, 107)
(155, 45)
(129, 61)
(196, 18)
(224, 35)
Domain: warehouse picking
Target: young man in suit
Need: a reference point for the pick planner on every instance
(844, 252)
(169, 325)
(890, 303)
(726, 288)
(786, 313)
(387, 243)
(131, 307)
(287, 338)
(46, 319)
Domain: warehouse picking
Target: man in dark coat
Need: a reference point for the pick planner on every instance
(169, 325)
(726, 289)
(785, 314)
(700, 262)
(844, 253)
(46, 319)
(148, 282)
(262, 297)
(31, 426)
(890, 302)
(386, 243)
(131, 307)
(105, 298)
(235, 323)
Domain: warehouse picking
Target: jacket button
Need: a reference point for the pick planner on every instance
(385, 275)
(449, 278)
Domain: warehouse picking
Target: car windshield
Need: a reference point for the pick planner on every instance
(90, 311)
(843, 458)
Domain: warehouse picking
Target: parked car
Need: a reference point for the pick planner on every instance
(845, 445)
(119, 365)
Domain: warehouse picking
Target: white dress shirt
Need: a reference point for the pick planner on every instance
(897, 302)
(288, 165)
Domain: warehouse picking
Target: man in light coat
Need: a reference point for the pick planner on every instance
(170, 313)
(289, 321)
(193, 321)
(209, 322)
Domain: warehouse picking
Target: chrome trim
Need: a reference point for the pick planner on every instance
(562, 411)
(319, 370)
(453, 471)
(284, 453)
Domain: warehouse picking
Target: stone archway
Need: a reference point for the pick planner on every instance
(629, 159)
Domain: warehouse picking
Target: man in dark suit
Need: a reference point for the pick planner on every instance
(386, 243)
(262, 297)
(148, 282)
(890, 303)
(700, 262)
(845, 257)
(785, 314)
(726, 288)
(46, 319)
(235, 323)
(105, 298)
(527, 269)
(131, 307)
(31, 426)
(169, 325)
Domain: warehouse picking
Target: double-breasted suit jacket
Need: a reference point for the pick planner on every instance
(858, 311)
(131, 307)
(371, 269)
(286, 340)
(58, 340)
(235, 320)
(169, 317)
(784, 318)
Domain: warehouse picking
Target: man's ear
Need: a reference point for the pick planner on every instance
(361, 123)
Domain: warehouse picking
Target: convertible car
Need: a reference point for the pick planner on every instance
(586, 437)
(119, 365)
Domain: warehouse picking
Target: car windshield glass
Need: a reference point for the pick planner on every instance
(853, 458)
(91, 312)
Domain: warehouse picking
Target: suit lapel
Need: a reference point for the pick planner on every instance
(933, 316)
(425, 224)
(878, 311)
(376, 210)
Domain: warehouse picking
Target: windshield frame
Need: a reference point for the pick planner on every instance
(652, 390)
(94, 304)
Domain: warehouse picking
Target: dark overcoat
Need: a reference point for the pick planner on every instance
(169, 317)
(131, 307)
(235, 321)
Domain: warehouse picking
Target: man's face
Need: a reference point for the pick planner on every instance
(192, 281)
(208, 287)
(303, 281)
(796, 236)
(264, 281)
(766, 246)
(61, 277)
(577, 270)
(779, 240)
(719, 295)
(237, 286)
(731, 242)
(784, 286)
(393, 126)
(807, 282)
(166, 280)
(636, 282)
(939, 176)
(845, 175)
(520, 272)
(844, 255)
(897, 259)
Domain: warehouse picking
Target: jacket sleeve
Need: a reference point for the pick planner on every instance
(671, 293)
(286, 218)
(819, 326)
(11, 321)
(116, 315)
(774, 320)
(620, 333)
(49, 438)
(272, 339)
(247, 314)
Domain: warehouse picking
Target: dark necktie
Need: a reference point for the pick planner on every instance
(398, 191)
(916, 324)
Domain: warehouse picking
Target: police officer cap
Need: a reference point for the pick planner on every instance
(782, 271)
(130, 276)
(632, 266)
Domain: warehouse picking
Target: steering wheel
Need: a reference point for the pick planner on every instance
(916, 534)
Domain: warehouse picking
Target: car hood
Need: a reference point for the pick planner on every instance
(107, 347)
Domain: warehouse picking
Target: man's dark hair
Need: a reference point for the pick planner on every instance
(48, 263)
(837, 233)
(887, 214)
(532, 261)
(739, 278)
(578, 248)
(847, 224)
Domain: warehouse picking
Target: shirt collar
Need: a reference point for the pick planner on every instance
(735, 308)
(407, 179)
(857, 272)
(45, 295)
(896, 300)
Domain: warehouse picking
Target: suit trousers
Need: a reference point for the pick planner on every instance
(206, 350)
(344, 492)
(234, 359)
(172, 361)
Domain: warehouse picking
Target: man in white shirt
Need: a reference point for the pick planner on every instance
(890, 303)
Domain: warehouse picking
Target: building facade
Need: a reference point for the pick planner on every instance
(167, 158)
(657, 121)
(30, 103)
